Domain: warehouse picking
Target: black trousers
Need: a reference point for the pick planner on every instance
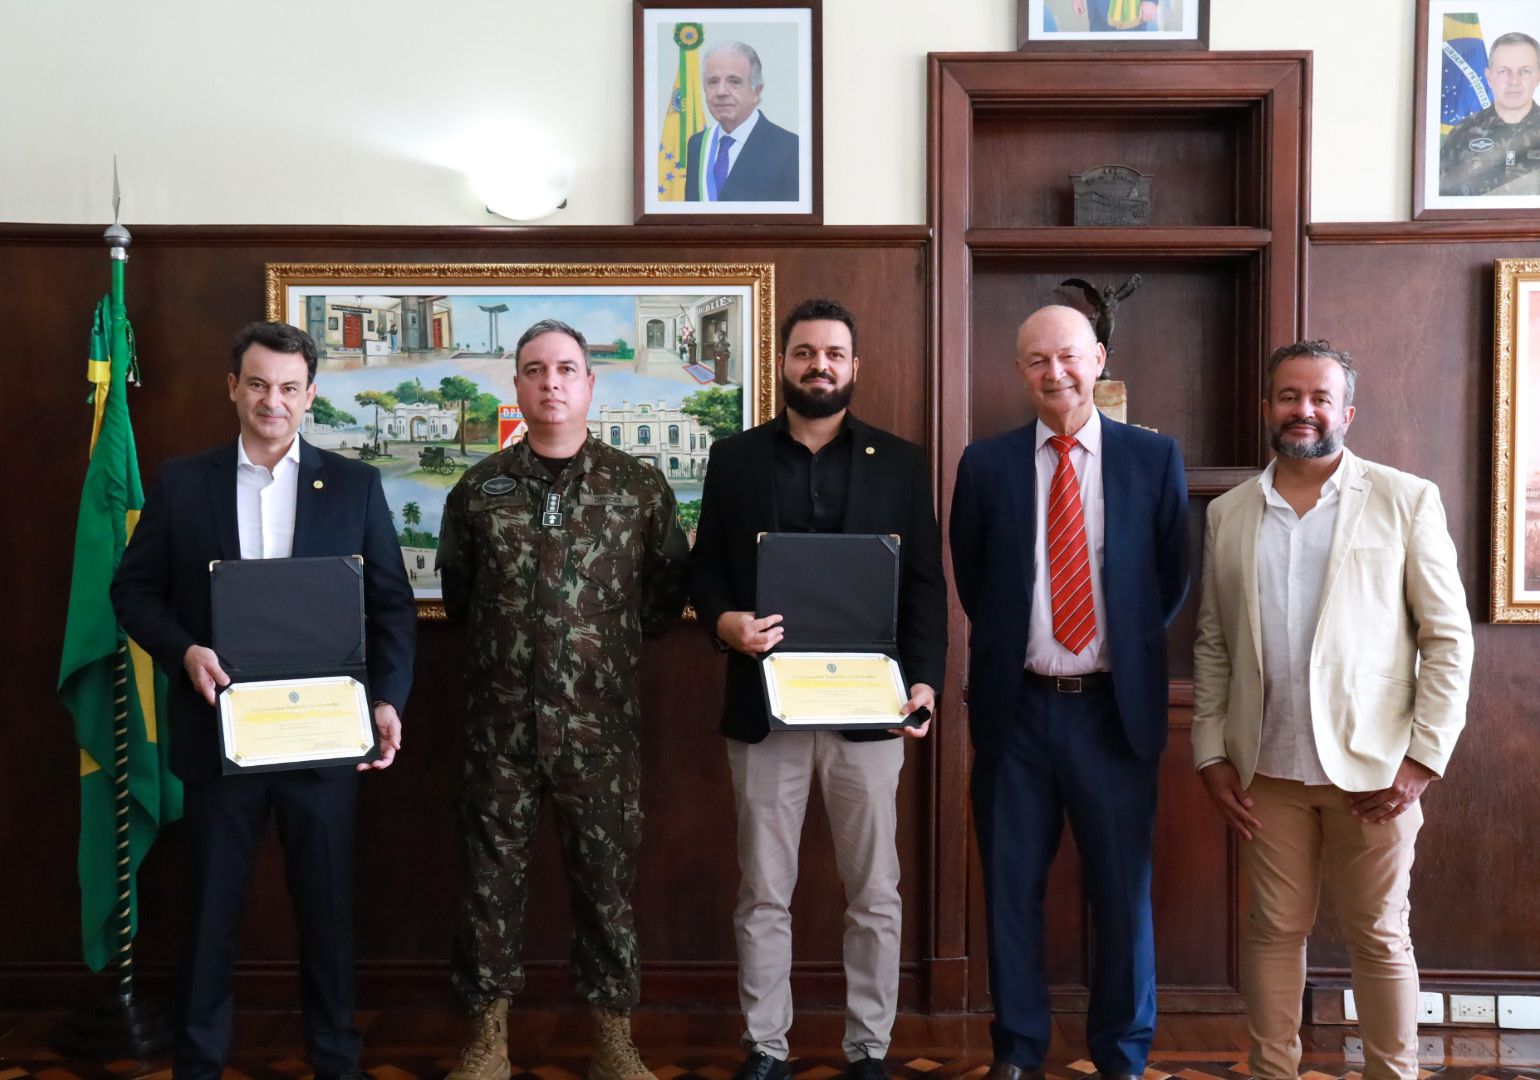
(225, 819)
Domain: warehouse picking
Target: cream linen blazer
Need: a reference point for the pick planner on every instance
(1390, 664)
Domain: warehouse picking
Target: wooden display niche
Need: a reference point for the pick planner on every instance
(1225, 137)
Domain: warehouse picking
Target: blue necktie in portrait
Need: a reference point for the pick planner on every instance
(719, 166)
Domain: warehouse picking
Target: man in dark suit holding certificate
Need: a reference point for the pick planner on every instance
(268, 495)
(1069, 550)
(816, 468)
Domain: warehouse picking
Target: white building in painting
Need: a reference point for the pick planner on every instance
(662, 435)
(421, 422)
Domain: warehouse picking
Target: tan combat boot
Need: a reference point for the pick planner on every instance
(615, 1055)
(485, 1056)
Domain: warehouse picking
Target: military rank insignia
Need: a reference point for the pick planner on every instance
(551, 518)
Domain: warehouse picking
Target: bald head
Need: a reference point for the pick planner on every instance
(1059, 359)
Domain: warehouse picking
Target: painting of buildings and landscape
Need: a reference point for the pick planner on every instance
(421, 384)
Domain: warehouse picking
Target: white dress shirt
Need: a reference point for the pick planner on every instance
(1291, 571)
(264, 503)
(1044, 653)
(739, 135)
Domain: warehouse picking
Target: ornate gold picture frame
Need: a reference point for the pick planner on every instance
(1516, 443)
(416, 368)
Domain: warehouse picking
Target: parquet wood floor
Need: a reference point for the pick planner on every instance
(420, 1044)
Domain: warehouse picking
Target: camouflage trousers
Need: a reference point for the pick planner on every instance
(599, 820)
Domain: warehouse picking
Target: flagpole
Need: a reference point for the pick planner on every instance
(121, 1025)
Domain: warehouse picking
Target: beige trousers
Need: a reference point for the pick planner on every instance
(1309, 836)
(859, 784)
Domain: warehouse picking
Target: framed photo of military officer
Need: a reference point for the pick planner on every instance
(416, 371)
(727, 112)
(1476, 132)
(1112, 24)
(1516, 443)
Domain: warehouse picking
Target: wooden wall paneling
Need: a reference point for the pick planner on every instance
(188, 288)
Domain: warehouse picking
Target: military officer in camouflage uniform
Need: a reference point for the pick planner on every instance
(1497, 150)
(557, 555)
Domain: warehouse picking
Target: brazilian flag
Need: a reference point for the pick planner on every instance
(108, 683)
(1464, 88)
(685, 116)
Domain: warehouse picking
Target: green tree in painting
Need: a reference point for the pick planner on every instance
(483, 410)
(411, 513)
(328, 415)
(689, 515)
(457, 388)
(379, 399)
(718, 408)
(409, 392)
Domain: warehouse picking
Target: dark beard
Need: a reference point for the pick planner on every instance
(815, 404)
(1327, 443)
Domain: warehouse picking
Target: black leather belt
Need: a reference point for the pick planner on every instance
(1070, 684)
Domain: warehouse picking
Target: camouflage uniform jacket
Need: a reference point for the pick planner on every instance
(1485, 155)
(555, 613)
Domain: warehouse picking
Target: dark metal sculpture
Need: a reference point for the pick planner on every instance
(1104, 305)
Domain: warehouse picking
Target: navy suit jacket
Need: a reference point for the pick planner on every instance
(1144, 571)
(765, 171)
(889, 493)
(161, 590)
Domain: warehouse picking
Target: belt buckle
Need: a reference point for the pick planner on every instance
(1067, 684)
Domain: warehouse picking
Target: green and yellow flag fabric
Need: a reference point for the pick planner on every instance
(686, 113)
(108, 683)
(1123, 14)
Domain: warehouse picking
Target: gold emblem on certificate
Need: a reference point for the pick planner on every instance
(829, 689)
(294, 721)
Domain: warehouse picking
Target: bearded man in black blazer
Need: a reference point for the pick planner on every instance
(816, 468)
(268, 494)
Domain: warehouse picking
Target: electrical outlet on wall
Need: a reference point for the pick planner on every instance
(1430, 1008)
(1472, 1009)
(1518, 1011)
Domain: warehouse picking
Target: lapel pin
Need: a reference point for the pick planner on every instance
(319, 484)
(871, 449)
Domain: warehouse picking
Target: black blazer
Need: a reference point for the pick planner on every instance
(889, 493)
(161, 590)
(765, 171)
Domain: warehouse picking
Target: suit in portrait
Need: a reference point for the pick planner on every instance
(766, 169)
(162, 598)
(1100, 768)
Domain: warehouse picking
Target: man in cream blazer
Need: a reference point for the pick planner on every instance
(1332, 667)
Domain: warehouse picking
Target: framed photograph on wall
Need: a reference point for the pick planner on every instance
(1476, 127)
(1112, 24)
(416, 371)
(1516, 443)
(727, 117)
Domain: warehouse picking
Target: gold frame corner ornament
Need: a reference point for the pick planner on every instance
(1508, 518)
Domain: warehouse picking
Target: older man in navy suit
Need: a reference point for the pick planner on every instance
(267, 494)
(1069, 549)
(742, 157)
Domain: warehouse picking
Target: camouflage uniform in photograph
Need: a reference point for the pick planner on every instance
(1485, 155)
(555, 581)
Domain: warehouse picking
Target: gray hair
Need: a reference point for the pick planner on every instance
(1319, 348)
(756, 72)
(553, 326)
(1513, 37)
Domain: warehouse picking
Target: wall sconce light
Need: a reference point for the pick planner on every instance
(528, 180)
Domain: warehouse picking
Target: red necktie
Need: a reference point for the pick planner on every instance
(1069, 560)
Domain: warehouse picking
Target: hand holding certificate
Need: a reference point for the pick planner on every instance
(836, 666)
(296, 694)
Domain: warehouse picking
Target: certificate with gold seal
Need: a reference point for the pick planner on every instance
(834, 689)
(277, 723)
